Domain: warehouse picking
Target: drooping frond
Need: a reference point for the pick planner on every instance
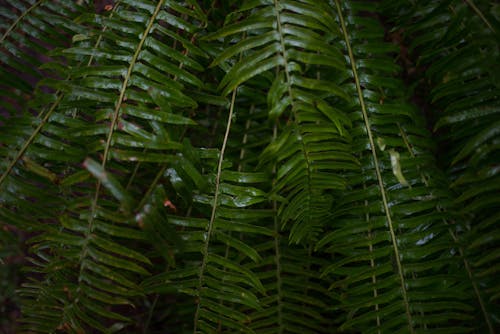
(389, 240)
(458, 42)
(220, 283)
(119, 94)
(215, 264)
(250, 166)
(287, 42)
(297, 299)
(29, 29)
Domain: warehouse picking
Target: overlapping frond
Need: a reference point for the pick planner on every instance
(458, 42)
(274, 51)
(214, 265)
(119, 94)
(297, 299)
(390, 243)
(28, 30)
(287, 42)
(254, 167)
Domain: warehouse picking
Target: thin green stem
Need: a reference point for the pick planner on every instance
(119, 103)
(150, 314)
(377, 167)
(28, 142)
(372, 262)
(277, 250)
(294, 111)
(16, 22)
(480, 14)
(215, 205)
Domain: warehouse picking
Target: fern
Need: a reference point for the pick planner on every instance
(391, 200)
(82, 276)
(464, 89)
(256, 167)
(281, 41)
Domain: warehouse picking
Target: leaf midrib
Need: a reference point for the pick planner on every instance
(292, 97)
(377, 167)
(19, 19)
(95, 200)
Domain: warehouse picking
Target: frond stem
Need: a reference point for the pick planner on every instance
(372, 262)
(150, 313)
(95, 200)
(475, 287)
(211, 223)
(16, 22)
(152, 186)
(117, 113)
(290, 93)
(28, 142)
(377, 167)
(480, 14)
(138, 50)
(277, 250)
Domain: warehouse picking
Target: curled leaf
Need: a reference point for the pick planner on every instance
(396, 167)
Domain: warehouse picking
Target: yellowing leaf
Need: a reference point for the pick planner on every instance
(396, 167)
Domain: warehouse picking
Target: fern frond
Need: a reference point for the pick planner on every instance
(28, 30)
(284, 37)
(393, 194)
(84, 276)
(296, 299)
(463, 62)
(254, 167)
(221, 276)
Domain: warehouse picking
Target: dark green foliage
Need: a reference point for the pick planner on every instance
(255, 167)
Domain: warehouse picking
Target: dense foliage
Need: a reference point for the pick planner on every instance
(260, 166)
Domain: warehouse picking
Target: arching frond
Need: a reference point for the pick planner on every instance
(287, 41)
(258, 166)
(388, 238)
(29, 29)
(118, 93)
(462, 59)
